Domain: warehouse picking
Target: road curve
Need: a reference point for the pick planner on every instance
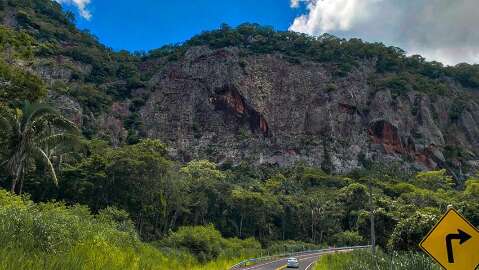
(306, 262)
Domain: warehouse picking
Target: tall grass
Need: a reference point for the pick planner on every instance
(90, 257)
(54, 236)
(363, 260)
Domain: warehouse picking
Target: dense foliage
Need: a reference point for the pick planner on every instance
(33, 132)
(56, 236)
(268, 203)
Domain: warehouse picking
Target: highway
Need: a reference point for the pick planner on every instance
(306, 262)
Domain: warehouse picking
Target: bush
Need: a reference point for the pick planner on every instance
(207, 244)
(348, 238)
(234, 247)
(19, 85)
(434, 180)
(56, 228)
(204, 242)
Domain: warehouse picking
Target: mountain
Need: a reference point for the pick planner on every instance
(248, 94)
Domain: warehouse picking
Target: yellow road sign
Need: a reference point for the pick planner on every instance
(453, 242)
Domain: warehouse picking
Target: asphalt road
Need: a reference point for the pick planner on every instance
(306, 262)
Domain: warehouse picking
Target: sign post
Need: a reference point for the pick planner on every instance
(453, 242)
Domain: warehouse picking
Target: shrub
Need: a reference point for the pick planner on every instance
(54, 227)
(204, 242)
(19, 85)
(348, 238)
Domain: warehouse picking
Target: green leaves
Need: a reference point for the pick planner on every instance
(36, 132)
(206, 243)
(202, 171)
(18, 85)
(409, 231)
(21, 42)
(434, 180)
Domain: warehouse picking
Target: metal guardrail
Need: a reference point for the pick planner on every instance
(284, 255)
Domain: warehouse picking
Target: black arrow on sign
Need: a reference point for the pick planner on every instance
(462, 236)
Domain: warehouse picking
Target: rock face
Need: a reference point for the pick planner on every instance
(221, 105)
(252, 98)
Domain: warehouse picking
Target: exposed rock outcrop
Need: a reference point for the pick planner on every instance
(255, 95)
(262, 108)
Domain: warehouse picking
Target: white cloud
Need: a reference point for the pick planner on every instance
(295, 3)
(441, 30)
(81, 5)
(330, 15)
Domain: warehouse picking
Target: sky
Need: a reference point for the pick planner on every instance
(440, 30)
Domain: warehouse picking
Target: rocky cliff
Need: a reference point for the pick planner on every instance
(255, 95)
(213, 103)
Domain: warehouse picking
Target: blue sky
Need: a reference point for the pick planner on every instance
(441, 30)
(149, 24)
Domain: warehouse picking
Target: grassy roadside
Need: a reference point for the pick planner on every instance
(86, 258)
(55, 236)
(362, 260)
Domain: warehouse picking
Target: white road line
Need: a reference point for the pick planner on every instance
(311, 264)
(301, 256)
(261, 265)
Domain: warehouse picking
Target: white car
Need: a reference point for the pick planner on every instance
(293, 263)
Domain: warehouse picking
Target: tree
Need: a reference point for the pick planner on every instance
(353, 198)
(348, 238)
(434, 180)
(472, 187)
(409, 231)
(203, 180)
(136, 178)
(258, 210)
(34, 132)
(384, 223)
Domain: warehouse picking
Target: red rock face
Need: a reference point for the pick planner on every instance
(263, 126)
(423, 159)
(231, 101)
(383, 132)
(235, 102)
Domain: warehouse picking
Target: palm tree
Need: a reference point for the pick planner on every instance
(33, 132)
